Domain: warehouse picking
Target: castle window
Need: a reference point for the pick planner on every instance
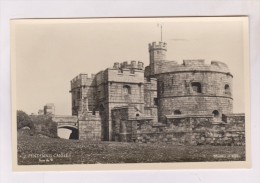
(227, 89)
(126, 90)
(78, 95)
(196, 87)
(162, 87)
(155, 101)
(216, 115)
(101, 107)
(177, 112)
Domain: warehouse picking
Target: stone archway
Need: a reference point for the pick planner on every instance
(177, 112)
(74, 132)
(216, 116)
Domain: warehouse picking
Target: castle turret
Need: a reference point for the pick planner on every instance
(82, 94)
(195, 87)
(49, 109)
(157, 54)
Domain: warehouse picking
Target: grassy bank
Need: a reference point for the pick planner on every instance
(40, 150)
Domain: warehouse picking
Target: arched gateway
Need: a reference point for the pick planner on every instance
(69, 123)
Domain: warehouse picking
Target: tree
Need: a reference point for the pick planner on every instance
(44, 125)
(23, 120)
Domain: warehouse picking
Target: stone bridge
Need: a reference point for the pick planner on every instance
(68, 122)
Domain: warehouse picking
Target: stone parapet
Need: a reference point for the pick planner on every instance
(82, 80)
(185, 130)
(199, 65)
(157, 46)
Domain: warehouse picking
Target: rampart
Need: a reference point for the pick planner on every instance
(65, 119)
(82, 80)
(150, 97)
(194, 88)
(180, 130)
(83, 89)
(90, 126)
(163, 66)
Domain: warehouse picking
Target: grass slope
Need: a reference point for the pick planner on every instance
(38, 150)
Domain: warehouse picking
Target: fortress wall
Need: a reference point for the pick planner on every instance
(122, 126)
(194, 105)
(150, 97)
(126, 75)
(90, 127)
(180, 84)
(111, 91)
(82, 79)
(157, 52)
(194, 130)
(119, 122)
(101, 77)
(90, 93)
(82, 87)
(101, 93)
(195, 92)
(147, 71)
(117, 93)
(64, 119)
(163, 66)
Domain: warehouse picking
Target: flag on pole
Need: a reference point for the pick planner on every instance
(160, 26)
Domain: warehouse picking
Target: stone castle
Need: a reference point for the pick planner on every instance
(188, 103)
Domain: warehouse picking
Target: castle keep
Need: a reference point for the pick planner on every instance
(187, 103)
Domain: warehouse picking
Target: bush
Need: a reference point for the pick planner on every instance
(45, 126)
(23, 120)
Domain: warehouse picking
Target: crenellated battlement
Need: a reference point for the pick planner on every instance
(82, 80)
(190, 65)
(83, 76)
(150, 80)
(200, 64)
(215, 65)
(157, 46)
(219, 64)
(194, 62)
(138, 65)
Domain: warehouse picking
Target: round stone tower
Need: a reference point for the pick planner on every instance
(195, 88)
(157, 54)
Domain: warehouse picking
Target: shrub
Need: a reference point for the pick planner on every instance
(23, 120)
(45, 126)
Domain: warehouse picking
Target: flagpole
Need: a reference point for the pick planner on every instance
(161, 33)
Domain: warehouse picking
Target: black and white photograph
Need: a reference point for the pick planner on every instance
(167, 92)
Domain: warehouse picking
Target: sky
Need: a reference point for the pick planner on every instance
(48, 54)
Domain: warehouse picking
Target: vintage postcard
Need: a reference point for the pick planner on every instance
(130, 93)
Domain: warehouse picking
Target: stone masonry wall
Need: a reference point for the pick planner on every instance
(157, 52)
(82, 87)
(194, 105)
(123, 85)
(192, 91)
(150, 97)
(188, 130)
(90, 127)
(123, 123)
(180, 84)
(164, 66)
